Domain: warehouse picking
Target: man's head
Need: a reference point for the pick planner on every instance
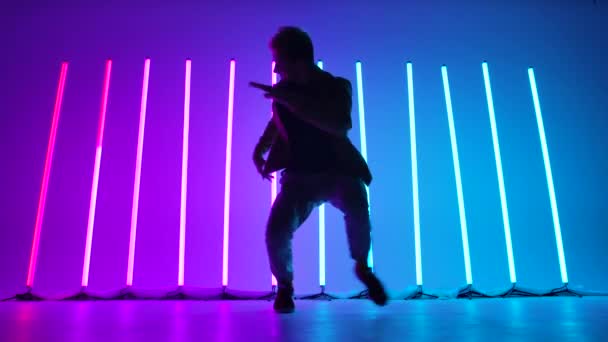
(293, 54)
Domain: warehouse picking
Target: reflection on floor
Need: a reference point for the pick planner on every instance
(513, 319)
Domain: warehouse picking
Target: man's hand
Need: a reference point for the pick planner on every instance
(293, 100)
(264, 87)
(259, 163)
(282, 94)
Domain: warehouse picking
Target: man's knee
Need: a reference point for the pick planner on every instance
(358, 213)
(280, 225)
(277, 235)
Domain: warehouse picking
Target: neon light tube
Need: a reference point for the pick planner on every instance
(410, 98)
(45, 177)
(370, 257)
(227, 181)
(273, 186)
(321, 229)
(549, 174)
(461, 211)
(501, 184)
(96, 167)
(138, 162)
(273, 183)
(182, 212)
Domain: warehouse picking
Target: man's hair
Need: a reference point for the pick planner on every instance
(293, 43)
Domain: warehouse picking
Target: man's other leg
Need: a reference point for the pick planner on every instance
(350, 197)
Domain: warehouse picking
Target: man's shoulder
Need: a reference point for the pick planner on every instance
(339, 82)
(344, 83)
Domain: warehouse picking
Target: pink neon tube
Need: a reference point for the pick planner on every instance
(45, 178)
(138, 160)
(227, 181)
(96, 167)
(182, 213)
(273, 185)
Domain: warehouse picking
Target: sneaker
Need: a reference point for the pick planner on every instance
(374, 286)
(283, 303)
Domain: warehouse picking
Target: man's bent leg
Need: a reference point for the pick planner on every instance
(291, 208)
(350, 196)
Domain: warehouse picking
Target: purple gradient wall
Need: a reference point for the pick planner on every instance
(564, 40)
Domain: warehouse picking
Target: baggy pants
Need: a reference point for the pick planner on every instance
(299, 195)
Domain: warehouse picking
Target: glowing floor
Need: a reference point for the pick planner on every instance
(514, 319)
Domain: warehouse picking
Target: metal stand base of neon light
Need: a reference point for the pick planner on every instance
(470, 293)
(420, 294)
(270, 296)
(225, 295)
(25, 297)
(514, 291)
(563, 291)
(179, 294)
(83, 295)
(228, 296)
(320, 296)
(362, 295)
(126, 294)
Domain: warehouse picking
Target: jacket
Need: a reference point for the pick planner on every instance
(347, 156)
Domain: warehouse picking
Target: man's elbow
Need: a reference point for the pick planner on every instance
(349, 125)
(340, 130)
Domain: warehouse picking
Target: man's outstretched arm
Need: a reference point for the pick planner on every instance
(329, 112)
